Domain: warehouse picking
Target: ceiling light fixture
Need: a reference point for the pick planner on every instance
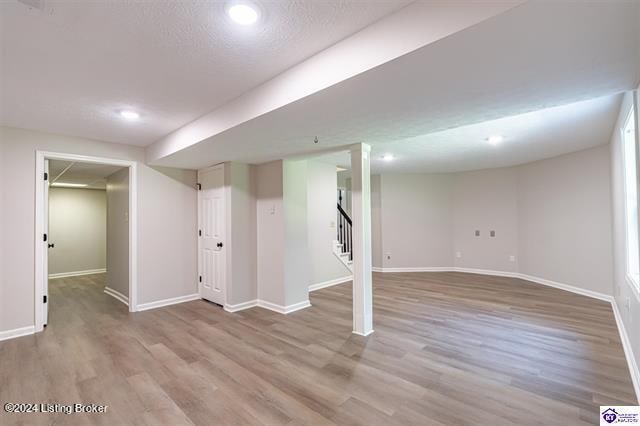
(387, 157)
(243, 13)
(69, 185)
(495, 139)
(130, 115)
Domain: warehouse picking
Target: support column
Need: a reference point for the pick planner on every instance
(361, 217)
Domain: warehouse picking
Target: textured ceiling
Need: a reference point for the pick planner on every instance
(535, 56)
(527, 137)
(68, 67)
(93, 175)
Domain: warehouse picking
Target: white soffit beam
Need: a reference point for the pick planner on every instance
(411, 28)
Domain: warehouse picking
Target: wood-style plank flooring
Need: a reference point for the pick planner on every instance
(448, 348)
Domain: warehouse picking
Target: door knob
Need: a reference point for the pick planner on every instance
(51, 245)
(219, 245)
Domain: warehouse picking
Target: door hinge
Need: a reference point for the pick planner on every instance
(46, 176)
(199, 186)
(199, 232)
(200, 278)
(44, 299)
(44, 237)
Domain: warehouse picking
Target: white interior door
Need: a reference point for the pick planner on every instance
(45, 308)
(211, 235)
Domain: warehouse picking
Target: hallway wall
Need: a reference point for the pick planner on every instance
(118, 231)
(78, 228)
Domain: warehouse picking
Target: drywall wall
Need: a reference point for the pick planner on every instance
(553, 216)
(270, 232)
(167, 219)
(564, 219)
(78, 230)
(321, 223)
(168, 230)
(296, 250)
(376, 223)
(626, 297)
(241, 233)
(416, 220)
(485, 201)
(118, 231)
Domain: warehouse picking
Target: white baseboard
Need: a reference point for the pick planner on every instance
(415, 269)
(628, 351)
(241, 306)
(17, 332)
(283, 309)
(77, 273)
(116, 294)
(325, 284)
(167, 302)
(362, 334)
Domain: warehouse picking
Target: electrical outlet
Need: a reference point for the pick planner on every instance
(492, 233)
(477, 233)
(458, 254)
(388, 256)
(512, 258)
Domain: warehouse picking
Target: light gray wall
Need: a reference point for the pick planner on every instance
(270, 232)
(376, 222)
(321, 223)
(118, 231)
(485, 200)
(241, 232)
(564, 219)
(167, 219)
(296, 251)
(623, 292)
(168, 233)
(552, 215)
(416, 220)
(78, 228)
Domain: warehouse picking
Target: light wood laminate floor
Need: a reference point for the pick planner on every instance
(448, 348)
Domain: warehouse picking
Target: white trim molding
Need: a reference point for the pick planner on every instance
(17, 332)
(167, 302)
(117, 295)
(241, 306)
(283, 309)
(77, 273)
(628, 351)
(325, 284)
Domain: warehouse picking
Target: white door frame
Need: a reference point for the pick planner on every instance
(40, 250)
(226, 232)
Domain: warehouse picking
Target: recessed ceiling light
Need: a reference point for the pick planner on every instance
(495, 139)
(130, 115)
(243, 13)
(387, 157)
(69, 185)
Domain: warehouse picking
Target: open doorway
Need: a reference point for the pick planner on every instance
(86, 232)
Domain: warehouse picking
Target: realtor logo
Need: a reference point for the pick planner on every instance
(629, 415)
(609, 415)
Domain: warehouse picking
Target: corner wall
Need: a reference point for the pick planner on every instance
(553, 217)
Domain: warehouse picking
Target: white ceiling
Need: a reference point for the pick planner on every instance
(90, 174)
(535, 56)
(527, 137)
(68, 67)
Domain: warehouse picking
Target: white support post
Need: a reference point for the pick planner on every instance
(361, 217)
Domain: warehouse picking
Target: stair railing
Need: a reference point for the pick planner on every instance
(345, 236)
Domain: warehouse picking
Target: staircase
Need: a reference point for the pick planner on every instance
(342, 247)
